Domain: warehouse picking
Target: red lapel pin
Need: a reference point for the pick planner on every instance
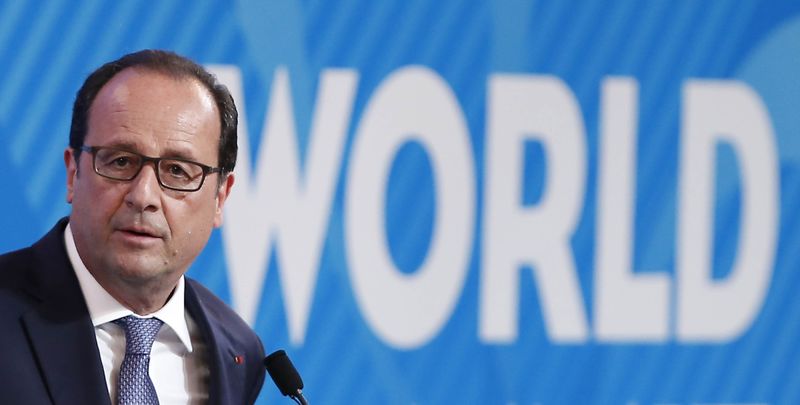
(238, 359)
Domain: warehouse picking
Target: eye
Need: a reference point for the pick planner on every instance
(117, 160)
(179, 170)
(176, 170)
(122, 161)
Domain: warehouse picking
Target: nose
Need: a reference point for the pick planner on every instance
(144, 192)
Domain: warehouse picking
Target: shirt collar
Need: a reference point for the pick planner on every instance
(103, 308)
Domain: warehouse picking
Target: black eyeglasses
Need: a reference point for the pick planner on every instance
(172, 173)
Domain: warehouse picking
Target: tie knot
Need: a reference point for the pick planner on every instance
(139, 333)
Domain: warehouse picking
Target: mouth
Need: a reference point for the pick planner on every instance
(140, 232)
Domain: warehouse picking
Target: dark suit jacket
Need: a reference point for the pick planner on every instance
(48, 349)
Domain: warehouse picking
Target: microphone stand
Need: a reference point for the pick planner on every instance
(299, 398)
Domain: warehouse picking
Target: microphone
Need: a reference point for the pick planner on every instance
(285, 376)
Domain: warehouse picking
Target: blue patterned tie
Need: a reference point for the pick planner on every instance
(135, 386)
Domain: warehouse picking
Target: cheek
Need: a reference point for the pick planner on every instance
(94, 200)
(190, 224)
(187, 243)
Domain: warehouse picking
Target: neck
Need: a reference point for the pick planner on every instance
(143, 298)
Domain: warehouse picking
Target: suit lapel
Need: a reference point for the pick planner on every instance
(60, 329)
(67, 354)
(227, 380)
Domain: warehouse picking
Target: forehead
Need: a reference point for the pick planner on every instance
(156, 114)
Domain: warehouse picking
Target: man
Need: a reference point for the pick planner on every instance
(149, 167)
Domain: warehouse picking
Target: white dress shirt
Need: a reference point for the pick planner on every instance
(178, 360)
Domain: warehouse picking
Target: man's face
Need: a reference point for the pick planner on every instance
(136, 232)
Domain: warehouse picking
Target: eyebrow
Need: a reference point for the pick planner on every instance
(120, 145)
(179, 154)
(171, 153)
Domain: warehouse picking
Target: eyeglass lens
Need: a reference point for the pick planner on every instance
(124, 165)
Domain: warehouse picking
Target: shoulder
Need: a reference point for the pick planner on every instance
(26, 266)
(12, 263)
(27, 277)
(227, 331)
(15, 278)
(210, 302)
(218, 313)
(30, 275)
(49, 248)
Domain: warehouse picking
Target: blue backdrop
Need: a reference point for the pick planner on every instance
(511, 202)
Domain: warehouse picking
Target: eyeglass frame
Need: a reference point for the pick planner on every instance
(206, 169)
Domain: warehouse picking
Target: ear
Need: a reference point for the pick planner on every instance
(72, 172)
(222, 195)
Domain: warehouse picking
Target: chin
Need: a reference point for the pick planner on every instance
(142, 269)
